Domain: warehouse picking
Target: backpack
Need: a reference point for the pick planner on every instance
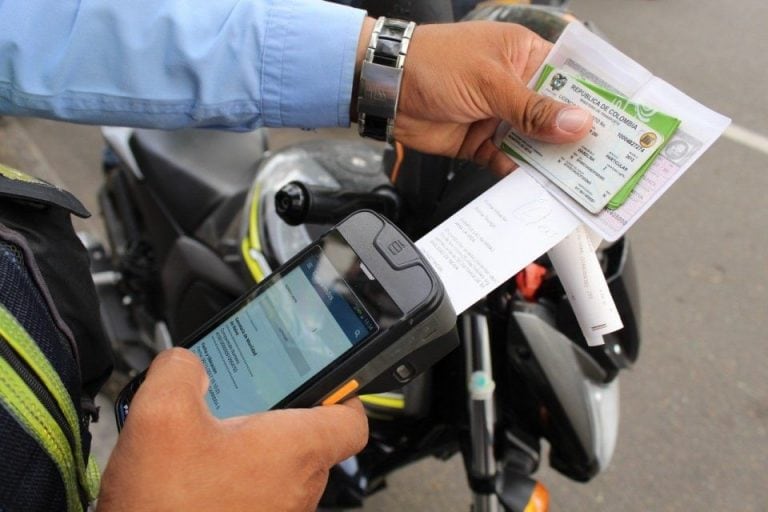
(54, 355)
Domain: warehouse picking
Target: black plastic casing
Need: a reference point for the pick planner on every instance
(418, 339)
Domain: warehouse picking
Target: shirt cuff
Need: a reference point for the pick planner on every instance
(309, 63)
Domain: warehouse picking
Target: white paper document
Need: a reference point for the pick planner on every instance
(582, 278)
(582, 53)
(525, 215)
(495, 236)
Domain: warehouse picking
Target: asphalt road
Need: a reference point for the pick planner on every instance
(694, 427)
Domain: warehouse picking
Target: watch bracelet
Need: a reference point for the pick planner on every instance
(380, 77)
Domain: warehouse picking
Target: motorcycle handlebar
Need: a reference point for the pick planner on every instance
(298, 203)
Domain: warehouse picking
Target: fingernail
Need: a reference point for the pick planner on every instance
(572, 119)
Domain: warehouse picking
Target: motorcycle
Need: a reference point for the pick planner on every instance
(194, 218)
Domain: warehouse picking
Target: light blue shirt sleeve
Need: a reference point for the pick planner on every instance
(234, 64)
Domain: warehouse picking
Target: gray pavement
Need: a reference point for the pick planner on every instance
(694, 428)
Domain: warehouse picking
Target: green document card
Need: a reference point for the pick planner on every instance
(602, 170)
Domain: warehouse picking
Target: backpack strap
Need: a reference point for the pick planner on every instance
(20, 401)
(20, 398)
(45, 439)
(35, 219)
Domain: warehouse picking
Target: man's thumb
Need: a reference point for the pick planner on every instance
(539, 117)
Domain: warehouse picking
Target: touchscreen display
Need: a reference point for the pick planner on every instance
(284, 335)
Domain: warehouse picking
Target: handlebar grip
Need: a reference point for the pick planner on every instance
(298, 203)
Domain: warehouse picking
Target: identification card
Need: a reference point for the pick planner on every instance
(624, 139)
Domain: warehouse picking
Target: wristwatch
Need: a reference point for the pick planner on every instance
(380, 77)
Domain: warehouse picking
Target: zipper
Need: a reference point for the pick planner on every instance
(36, 389)
(22, 403)
(40, 391)
(50, 396)
(22, 397)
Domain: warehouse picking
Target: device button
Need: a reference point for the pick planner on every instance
(395, 248)
(341, 393)
(404, 372)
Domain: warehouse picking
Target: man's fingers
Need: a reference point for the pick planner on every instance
(342, 430)
(501, 164)
(327, 434)
(177, 366)
(176, 380)
(540, 117)
(355, 404)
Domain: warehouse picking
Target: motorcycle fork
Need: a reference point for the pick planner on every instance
(482, 413)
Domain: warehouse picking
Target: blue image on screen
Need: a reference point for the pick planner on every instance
(281, 338)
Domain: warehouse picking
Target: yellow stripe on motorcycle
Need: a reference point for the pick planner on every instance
(253, 220)
(257, 273)
(385, 400)
(256, 263)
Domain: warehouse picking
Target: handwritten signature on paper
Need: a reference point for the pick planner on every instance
(535, 213)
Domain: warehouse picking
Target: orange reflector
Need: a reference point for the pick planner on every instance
(539, 501)
(530, 279)
(341, 393)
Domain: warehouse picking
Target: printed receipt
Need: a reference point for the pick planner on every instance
(495, 236)
(579, 271)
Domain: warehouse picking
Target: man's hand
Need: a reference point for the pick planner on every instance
(173, 454)
(461, 80)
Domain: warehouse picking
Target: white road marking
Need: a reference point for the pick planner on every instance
(747, 138)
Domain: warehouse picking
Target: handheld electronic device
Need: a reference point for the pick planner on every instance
(359, 310)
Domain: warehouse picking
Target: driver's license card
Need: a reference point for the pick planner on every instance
(593, 170)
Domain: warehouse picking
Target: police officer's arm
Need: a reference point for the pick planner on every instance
(241, 64)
